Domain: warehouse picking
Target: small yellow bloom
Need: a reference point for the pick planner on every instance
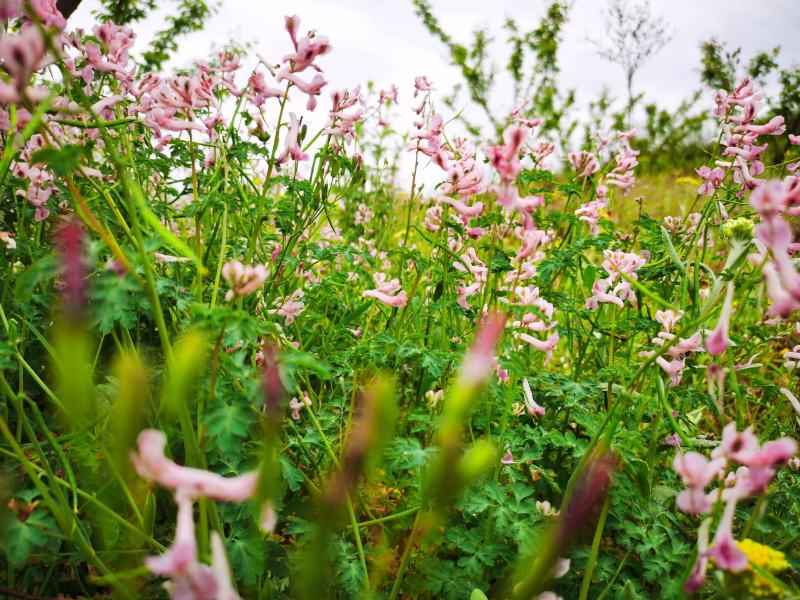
(767, 559)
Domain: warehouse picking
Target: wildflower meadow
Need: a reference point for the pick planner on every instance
(262, 336)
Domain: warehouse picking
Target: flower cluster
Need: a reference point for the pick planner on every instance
(775, 236)
(757, 468)
(677, 348)
(619, 265)
(189, 578)
(387, 292)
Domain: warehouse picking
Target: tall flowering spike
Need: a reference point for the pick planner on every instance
(271, 383)
(717, 342)
(73, 268)
(479, 362)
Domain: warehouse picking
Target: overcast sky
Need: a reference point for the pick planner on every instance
(384, 41)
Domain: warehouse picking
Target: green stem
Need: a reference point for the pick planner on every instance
(598, 534)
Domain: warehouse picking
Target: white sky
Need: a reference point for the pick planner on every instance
(385, 42)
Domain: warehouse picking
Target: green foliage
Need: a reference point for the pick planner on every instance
(514, 401)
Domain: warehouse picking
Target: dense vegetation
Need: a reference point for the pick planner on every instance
(241, 357)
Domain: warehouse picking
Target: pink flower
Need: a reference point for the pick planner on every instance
(775, 126)
(167, 120)
(243, 280)
(737, 446)
(668, 318)
(724, 551)
(462, 208)
(189, 579)
(307, 49)
(591, 212)
(508, 459)
(258, 91)
(600, 294)
(622, 175)
(421, 84)
(698, 574)
(776, 452)
(296, 405)
(616, 262)
(534, 410)
(311, 88)
(465, 291)
(673, 368)
(547, 346)
(22, 54)
(505, 157)
(397, 301)
(470, 263)
(47, 11)
(717, 342)
(10, 9)
(696, 470)
(152, 465)
(433, 218)
(712, 180)
(292, 148)
(387, 292)
(585, 163)
(291, 307)
(743, 447)
(479, 360)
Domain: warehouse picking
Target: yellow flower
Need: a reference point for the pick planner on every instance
(688, 180)
(768, 559)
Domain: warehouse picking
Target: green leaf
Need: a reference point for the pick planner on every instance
(63, 160)
(227, 425)
(20, 538)
(7, 352)
(291, 474)
(247, 558)
(114, 301)
(40, 271)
